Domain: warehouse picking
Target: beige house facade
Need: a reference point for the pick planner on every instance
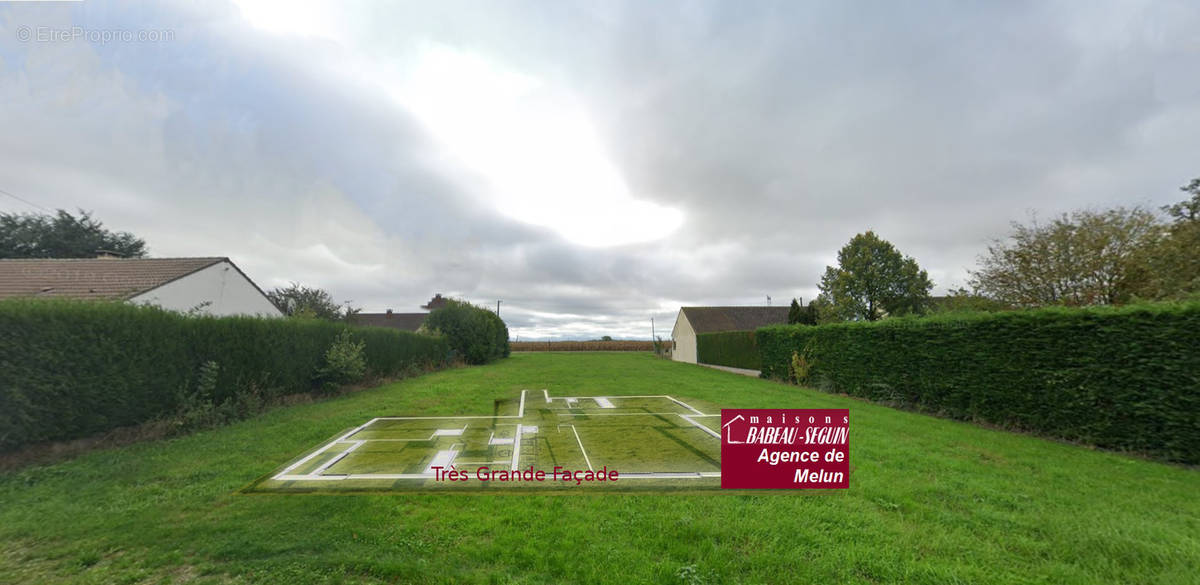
(693, 321)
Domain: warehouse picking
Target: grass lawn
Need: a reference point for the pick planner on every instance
(654, 443)
(931, 501)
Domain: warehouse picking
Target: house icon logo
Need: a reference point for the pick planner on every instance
(728, 431)
(785, 448)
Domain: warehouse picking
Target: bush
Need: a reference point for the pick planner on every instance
(72, 369)
(344, 362)
(477, 335)
(1123, 378)
(736, 349)
(196, 408)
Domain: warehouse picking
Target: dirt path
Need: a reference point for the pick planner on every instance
(744, 372)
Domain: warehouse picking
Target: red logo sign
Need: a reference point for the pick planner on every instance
(785, 448)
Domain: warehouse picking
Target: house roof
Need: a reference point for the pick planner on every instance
(437, 302)
(710, 319)
(94, 278)
(402, 321)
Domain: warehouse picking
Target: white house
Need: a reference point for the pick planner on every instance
(210, 286)
(695, 320)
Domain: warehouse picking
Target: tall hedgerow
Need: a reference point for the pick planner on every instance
(71, 369)
(1123, 378)
(737, 349)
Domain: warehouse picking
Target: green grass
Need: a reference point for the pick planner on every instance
(931, 501)
(629, 436)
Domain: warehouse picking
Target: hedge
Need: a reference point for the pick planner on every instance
(736, 349)
(474, 333)
(1122, 378)
(72, 369)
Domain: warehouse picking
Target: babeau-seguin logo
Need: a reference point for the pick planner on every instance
(785, 448)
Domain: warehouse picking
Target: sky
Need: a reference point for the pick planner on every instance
(594, 165)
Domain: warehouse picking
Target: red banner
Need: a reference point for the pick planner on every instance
(785, 448)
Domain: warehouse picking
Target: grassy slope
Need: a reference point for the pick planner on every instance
(931, 501)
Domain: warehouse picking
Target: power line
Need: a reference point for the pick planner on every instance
(25, 201)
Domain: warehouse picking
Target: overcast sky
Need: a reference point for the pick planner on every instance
(593, 164)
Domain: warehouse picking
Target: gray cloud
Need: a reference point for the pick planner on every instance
(779, 130)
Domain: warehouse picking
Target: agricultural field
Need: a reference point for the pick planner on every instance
(617, 345)
(930, 501)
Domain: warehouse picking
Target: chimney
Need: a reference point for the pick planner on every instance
(388, 315)
(436, 302)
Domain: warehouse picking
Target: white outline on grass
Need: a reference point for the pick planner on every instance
(321, 470)
(516, 448)
(681, 403)
(325, 448)
(318, 473)
(578, 440)
(700, 426)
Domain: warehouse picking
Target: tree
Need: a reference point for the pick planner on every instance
(477, 334)
(1186, 211)
(963, 300)
(63, 235)
(1174, 263)
(1084, 258)
(802, 315)
(606, 338)
(822, 311)
(297, 300)
(873, 280)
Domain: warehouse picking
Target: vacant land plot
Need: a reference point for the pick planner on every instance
(931, 501)
(634, 443)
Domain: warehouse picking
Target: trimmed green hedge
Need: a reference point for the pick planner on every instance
(736, 349)
(72, 369)
(1122, 378)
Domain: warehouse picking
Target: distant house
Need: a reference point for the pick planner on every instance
(401, 321)
(210, 286)
(692, 321)
(435, 303)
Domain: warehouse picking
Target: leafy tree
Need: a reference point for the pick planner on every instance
(963, 300)
(1085, 258)
(660, 347)
(297, 300)
(345, 362)
(1174, 263)
(1186, 211)
(477, 334)
(810, 316)
(802, 315)
(822, 311)
(62, 235)
(873, 280)
(606, 338)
